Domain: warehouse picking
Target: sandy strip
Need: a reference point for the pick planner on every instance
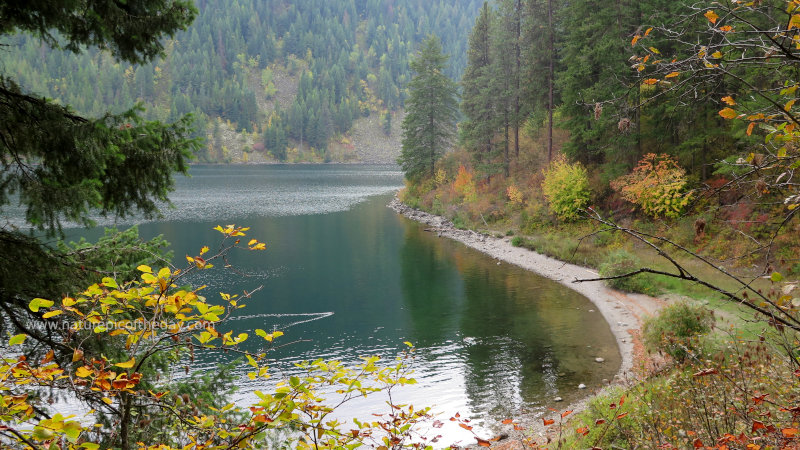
(624, 312)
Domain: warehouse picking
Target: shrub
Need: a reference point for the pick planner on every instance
(657, 185)
(621, 262)
(464, 184)
(676, 330)
(566, 188)
(515, 196)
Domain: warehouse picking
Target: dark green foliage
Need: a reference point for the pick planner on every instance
(478, 100)
(132, 30)
(677, 328)
(213, 69)
(432, 107)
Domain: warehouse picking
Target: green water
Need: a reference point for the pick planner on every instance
(354, 278)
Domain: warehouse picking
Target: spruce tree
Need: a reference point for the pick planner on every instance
(477, 102)
(432, 109)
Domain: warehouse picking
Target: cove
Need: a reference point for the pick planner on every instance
(353, 278)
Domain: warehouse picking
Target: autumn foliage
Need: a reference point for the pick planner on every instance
(158, 318)
(657, 184)
(566, 187)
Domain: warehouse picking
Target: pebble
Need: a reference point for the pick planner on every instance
(558, 399)
(599, 360)
(498, 263)
(581, 386)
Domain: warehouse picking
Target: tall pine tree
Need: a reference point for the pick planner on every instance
(432, 109)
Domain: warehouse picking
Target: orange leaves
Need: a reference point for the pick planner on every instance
(547, 422)
(726, 29)
(789, 432)
(728, 113)
(566, 413)
(672, 74)
(711, 16)
(750, 128)
(705, 372)
(729, 100)
(650, 81)
(635, 40)
(757, 426)
(583, 431)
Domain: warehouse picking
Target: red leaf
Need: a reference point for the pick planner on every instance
(599, 421)
(583, 430)
(483, 443)
(621, 416)
(507, 421)
(612, 406)
(566, 413)
(698, 443)
(759, 398)
(465, 426)
(622, 401)
(548, 422)
(757, 426)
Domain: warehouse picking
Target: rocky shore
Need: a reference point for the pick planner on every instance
(624, 312)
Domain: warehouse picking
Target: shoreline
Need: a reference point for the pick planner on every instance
(624, 312)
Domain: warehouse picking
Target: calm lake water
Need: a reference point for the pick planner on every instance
(355, 279)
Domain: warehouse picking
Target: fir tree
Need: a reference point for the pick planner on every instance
(432, 109)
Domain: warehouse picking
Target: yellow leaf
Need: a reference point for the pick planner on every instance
(673, 74)
(789, 105)
(717, 54)
(52, 314)
(18, 339)
(253, 241)
(145, 269)
(204, 249)
(729, 100)
(794, 22)
(711, 16)
(127, 364)
(655, 50)
(107, 400)
(648, 31)
(650, 81)
(189, 259)
(83, 371)
(77, 355)
(37, 303)
(728, 113)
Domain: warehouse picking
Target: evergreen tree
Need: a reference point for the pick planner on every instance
(432, 110)
(480, 126)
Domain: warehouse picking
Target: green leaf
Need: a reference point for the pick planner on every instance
(37, 303)
(18, 339)
(776, 277)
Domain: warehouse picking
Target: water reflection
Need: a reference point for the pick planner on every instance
(354, 279)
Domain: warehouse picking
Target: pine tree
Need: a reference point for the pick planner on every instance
(477, 104)
(432, 108)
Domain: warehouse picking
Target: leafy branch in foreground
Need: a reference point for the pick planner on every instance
(152, 328)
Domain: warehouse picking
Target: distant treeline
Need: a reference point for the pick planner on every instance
(350, 56)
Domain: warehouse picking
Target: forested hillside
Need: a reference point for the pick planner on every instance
(655, 142)
(283, 78)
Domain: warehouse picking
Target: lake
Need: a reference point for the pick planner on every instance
(354, 278)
